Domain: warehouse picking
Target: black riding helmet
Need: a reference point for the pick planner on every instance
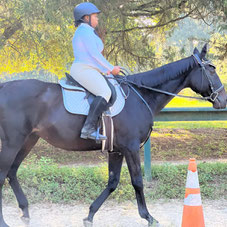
(83, 9)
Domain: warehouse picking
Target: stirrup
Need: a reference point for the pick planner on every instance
(95, 135)
(100, 136)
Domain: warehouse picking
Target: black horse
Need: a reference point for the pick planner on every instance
(30, 109)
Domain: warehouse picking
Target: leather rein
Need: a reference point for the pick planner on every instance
(213, 96)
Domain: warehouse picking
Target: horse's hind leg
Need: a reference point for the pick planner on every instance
(115, 163)
(13, 181)
(9, 151)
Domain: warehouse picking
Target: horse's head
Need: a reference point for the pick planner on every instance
(205, 81)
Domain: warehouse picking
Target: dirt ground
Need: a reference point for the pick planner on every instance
(111, 214)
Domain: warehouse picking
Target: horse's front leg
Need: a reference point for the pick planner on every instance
(115, 163)
(134, 166)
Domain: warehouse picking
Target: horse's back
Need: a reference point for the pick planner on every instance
(23, 88)
(28, 98)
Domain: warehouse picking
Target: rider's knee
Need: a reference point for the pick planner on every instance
(106, 94)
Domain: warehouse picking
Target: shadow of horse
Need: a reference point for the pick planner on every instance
(30, 109)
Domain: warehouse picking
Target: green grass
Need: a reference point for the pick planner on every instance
(190, 124)
(180, 144)
(45, 181)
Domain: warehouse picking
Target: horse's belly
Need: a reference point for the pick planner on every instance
(72, 144)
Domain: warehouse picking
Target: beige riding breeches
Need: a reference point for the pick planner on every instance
(90, 78)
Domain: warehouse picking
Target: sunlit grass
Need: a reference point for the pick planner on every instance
(191, 124)
(186, 135)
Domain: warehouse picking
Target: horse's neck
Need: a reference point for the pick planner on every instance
(159, 101)
(172, 78)
(171, 83)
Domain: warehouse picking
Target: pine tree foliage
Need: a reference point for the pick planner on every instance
(37, 34)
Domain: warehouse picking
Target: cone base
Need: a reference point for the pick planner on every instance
(193, 216)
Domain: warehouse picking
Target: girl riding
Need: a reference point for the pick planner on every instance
(89, 65)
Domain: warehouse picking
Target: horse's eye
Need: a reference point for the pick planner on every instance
(211, 69)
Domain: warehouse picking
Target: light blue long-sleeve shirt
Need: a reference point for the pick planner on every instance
(87, 48)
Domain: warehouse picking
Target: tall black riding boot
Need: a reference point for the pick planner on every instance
(89, 130)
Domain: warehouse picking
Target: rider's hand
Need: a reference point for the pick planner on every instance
(116, 70)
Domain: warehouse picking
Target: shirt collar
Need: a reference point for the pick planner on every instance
(87, 26)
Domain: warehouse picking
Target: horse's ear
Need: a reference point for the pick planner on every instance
(204, 51)
(196, 51)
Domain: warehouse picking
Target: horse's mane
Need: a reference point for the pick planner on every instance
(162, 74)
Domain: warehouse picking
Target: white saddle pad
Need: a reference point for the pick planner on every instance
(75, 100)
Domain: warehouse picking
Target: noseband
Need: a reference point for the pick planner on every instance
(213, 96)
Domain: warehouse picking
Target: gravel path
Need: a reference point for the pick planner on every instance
(112, 214)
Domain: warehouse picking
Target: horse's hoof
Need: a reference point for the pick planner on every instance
(87, 223)
(155, 223)
(25, 220)
(25, 213)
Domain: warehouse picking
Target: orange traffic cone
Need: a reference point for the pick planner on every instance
(193, 211)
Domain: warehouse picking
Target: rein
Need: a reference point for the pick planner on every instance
(213, 96)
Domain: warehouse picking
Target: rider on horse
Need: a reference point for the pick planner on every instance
(88, 65)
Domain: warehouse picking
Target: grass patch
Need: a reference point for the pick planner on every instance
(45, 181)
(190, 124)
(180, 144)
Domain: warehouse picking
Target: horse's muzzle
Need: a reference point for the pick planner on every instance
(221, 101)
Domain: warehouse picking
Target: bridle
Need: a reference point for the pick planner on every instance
(213, 96)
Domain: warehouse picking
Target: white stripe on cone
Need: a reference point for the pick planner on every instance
(192, 180)
(193, 200)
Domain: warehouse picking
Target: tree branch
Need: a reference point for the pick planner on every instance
(155, 26)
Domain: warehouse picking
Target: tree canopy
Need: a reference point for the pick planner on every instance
(37, 34)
